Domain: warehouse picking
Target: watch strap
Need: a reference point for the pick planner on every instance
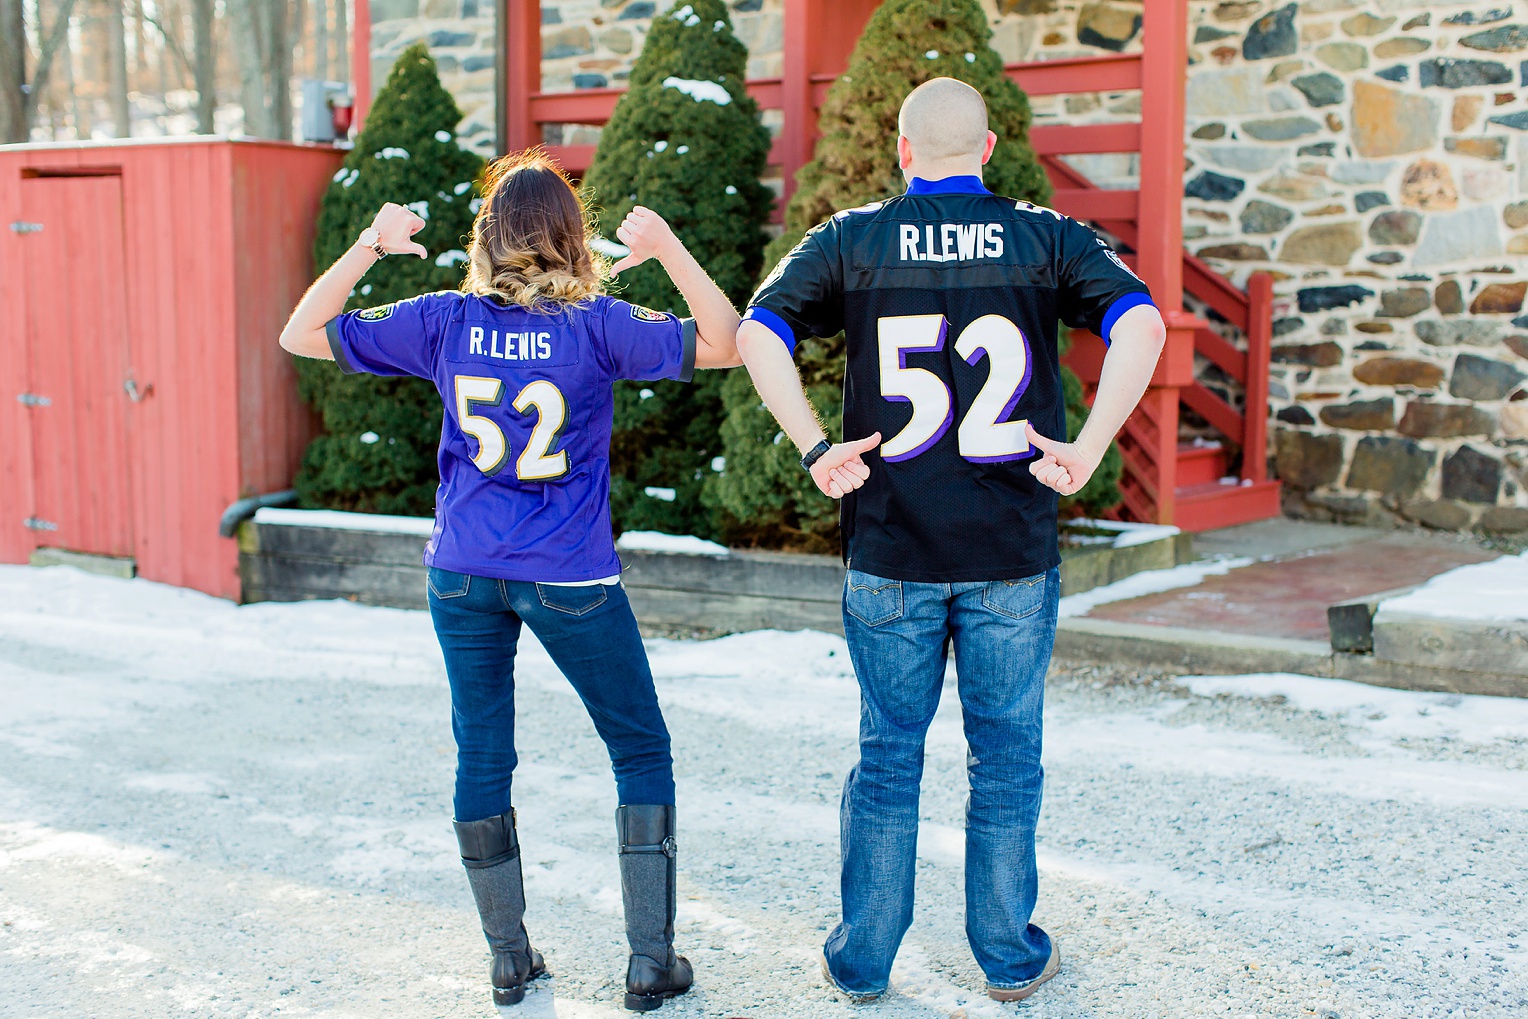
(815, 453)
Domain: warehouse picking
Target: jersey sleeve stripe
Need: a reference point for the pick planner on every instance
(1119, 307)
(774, 323)
(687, 361)
(337, 347)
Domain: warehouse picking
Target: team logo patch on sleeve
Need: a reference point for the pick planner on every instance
(1110, 254)
(642, 314)
(375, 314)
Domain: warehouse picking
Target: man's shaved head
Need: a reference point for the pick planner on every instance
(943, 119)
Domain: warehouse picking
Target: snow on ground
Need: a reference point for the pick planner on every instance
(208, 810)
(1496, 590)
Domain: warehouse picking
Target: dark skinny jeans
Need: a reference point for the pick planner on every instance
(592, 636)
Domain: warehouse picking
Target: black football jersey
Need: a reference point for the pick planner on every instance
(950, 302)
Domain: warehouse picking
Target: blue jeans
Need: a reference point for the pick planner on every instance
(899, 636)
(592, 635)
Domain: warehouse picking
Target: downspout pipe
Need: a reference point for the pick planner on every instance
(238, 512)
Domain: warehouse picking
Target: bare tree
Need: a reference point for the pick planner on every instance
(247, 27)
(116, 91)
(342, 39)
(321, 39)
(278, 66)
(82, 124)
(206, 69)
(13, 70)
(18, 107)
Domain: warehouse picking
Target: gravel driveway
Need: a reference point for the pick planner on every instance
(218, 811)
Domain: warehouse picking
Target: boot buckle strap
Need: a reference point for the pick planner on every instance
(668, 847)
(512, 853)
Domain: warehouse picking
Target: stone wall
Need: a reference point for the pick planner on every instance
(460, 34)
(1372, 154)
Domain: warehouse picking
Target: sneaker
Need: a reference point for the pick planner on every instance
(1019, 992)
(855, 997)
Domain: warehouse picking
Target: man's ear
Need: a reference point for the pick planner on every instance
(991, 144)
(905, 152)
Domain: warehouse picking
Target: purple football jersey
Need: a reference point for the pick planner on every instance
(525, 444)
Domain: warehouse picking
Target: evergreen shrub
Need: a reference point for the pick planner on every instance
(905, 43)
(685, 141)
(377, 450)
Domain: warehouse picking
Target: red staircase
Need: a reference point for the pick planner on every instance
(1164, 481)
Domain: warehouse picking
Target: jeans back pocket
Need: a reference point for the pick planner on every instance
(575, 601)
(445, 584)
(1016, 599)
(872, 600)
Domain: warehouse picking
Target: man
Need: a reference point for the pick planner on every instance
(949, 298)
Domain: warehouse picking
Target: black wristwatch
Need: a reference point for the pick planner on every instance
(814, 454)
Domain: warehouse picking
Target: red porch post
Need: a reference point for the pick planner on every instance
(1164, 66)
(796, 90)
(360, 60)
(1259, 350)
(520, 72)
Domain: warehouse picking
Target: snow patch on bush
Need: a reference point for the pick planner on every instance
(700, 91)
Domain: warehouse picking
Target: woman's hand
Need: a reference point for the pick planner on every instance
(396, 225)
(646, 234)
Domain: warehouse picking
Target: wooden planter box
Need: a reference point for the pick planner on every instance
(743, 590)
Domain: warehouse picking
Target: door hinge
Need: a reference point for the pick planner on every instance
(39, 524)
(21, 226)
(33, 400)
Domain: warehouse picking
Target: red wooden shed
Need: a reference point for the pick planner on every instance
(142, 287)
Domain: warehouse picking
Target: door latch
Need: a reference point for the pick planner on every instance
(21, 226)
(130, 387)
(39, 524)
(33, 400)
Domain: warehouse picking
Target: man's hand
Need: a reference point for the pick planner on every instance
(396, 225)
(840, 470)
(1065, 467)
(646, 234)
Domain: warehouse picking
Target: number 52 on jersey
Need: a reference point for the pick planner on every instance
(983, 435)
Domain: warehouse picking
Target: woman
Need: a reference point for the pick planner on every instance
(524, 358)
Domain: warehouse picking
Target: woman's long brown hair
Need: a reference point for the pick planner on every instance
(530, 240)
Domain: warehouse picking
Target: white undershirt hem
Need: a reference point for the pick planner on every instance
(602, 582)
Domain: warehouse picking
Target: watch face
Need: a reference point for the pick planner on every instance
(370, 236)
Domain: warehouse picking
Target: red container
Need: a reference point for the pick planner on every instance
(142, 288)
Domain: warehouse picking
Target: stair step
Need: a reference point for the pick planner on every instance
(1200, 464)
(1205, 507)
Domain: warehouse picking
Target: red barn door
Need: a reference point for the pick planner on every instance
(77, 347)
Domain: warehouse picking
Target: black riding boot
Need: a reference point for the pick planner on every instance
(648, 891)
(491, 854)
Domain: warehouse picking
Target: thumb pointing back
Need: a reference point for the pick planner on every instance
(864, 445)
(1041, 442)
